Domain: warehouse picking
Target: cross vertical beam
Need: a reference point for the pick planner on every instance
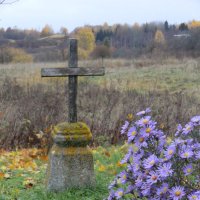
(72, 84)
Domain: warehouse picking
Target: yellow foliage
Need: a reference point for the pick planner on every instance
(46, 31)
(82, 54)
(86, 40)
(159, 37)
(15, 55)
(194, 24)
(102, 168)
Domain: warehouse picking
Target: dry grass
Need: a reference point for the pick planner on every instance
(30, 104)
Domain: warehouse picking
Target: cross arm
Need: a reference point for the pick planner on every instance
(76, 71)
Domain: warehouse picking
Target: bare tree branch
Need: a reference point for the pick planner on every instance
(8, 1)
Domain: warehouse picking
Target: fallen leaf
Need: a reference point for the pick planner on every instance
(1, 175)
(7, 176)
(43, 158)
(29, 183)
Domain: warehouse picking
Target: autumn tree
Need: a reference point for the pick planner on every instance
(46, 31)
(86, 41)
(101, 51)
(194, 24)
(159, 38)
(64, 31)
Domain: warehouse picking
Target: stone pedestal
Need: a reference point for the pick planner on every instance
(70, 160)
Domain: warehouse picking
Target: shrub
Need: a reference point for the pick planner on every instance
(159, 167)
(101, 51)
(14, 55)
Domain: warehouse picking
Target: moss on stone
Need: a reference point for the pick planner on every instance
(57, 150)
(72, 133)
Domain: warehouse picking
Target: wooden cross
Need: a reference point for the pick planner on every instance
(73, 71)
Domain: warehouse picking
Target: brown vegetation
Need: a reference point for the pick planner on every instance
(28, 112)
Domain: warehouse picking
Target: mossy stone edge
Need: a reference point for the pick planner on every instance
(72, 134)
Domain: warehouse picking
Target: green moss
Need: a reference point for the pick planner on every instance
(73, 133)
(56, 150)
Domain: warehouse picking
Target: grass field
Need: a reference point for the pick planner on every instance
(22, 175)
(143, 75)
(171, 87)
(31, 104)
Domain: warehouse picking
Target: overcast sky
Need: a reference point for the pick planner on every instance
(74, 13)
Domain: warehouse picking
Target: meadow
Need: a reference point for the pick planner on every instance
(31, 105)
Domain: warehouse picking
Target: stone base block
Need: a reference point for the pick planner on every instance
(69, 167)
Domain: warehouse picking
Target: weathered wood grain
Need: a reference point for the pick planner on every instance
(73, 71)
(78, 71)
(73, 63)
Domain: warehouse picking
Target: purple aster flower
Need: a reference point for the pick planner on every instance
(132, 132)
(165, 170)
(119, 193)
(186, 152)
(189, 141)
(197, 155)
(153, 177)
(170, 151)
(195, 119)
(188, 169)
(150, 161)
(123, 177)
(178, 141)
(178, 129)
(163, 189)
(177, 192)
(147, 131)
(138, 156)
(143, 112)
(140, 142)
(197, 145)
(111, 195)
(127, 156)
(146, 188)
(112, 184)
(194, 196)
(139, 181)
(130, 189)
(135, 167)
(188, 128)
(124, 127)
(162, 142)
(143, 121)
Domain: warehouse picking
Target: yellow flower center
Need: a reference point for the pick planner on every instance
(188, 128)
(189, 170)
(133, 133)
(165, 189)
(186, 154)
(141, 140)
(145, 121)
(148, 130)
(194, 197)
(170, 152)
(124, 177)
(120, 193)
(152, 162)
(178, 193)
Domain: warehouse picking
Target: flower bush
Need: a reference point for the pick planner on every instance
(158, 168)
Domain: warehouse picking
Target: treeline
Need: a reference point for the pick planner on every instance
(117, 41)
